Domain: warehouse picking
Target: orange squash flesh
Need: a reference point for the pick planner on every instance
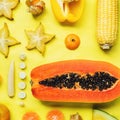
(81, 67)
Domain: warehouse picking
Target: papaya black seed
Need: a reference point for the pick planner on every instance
(98, 80)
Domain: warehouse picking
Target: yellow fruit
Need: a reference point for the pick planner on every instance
(102, 115)
(4, 112)
(6, 7)
(72, 41)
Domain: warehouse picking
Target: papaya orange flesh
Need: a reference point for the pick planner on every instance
(91, 81)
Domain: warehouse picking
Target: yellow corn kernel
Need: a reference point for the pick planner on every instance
(107, 22)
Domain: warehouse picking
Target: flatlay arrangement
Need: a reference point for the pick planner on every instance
(70, 12)
(65, 77)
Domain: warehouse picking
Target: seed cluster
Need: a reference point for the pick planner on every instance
(99, 80)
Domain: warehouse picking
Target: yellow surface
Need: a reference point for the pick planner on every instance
(55, 50)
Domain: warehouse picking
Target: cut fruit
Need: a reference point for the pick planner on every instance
(76, 81)
(38, 38)
(6, 7)
(30, 116)
(102, 115)
(4, 112)
(6, 40)
(55, 115)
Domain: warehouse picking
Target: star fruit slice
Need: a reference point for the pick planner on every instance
(38, 38)
(6, 7)
(6, 40)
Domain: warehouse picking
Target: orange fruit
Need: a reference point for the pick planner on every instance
(55, 115)
(72, 41)
(4, 112)
(30, 116)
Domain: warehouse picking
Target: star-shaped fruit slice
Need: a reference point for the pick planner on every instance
(6, 7)
(38, 38)
(6, 40)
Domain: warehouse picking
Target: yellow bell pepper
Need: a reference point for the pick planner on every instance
(67, 10)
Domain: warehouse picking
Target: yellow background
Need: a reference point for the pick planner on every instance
(55, 50)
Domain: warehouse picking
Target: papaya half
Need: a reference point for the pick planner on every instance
(76, 81)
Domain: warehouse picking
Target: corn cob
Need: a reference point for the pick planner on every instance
(107, 22)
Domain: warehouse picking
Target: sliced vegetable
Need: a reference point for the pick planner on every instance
(72, 41)
(11, 80)
(22, 95)
(22, 65)
(31, 116)
(22, 75)
(22, 85)
(76, 81)
(22, 56)
(55, 115)
(102, 115)
(69, 10)
(107, 22)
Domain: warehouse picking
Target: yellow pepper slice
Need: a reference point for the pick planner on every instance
(67, 10)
